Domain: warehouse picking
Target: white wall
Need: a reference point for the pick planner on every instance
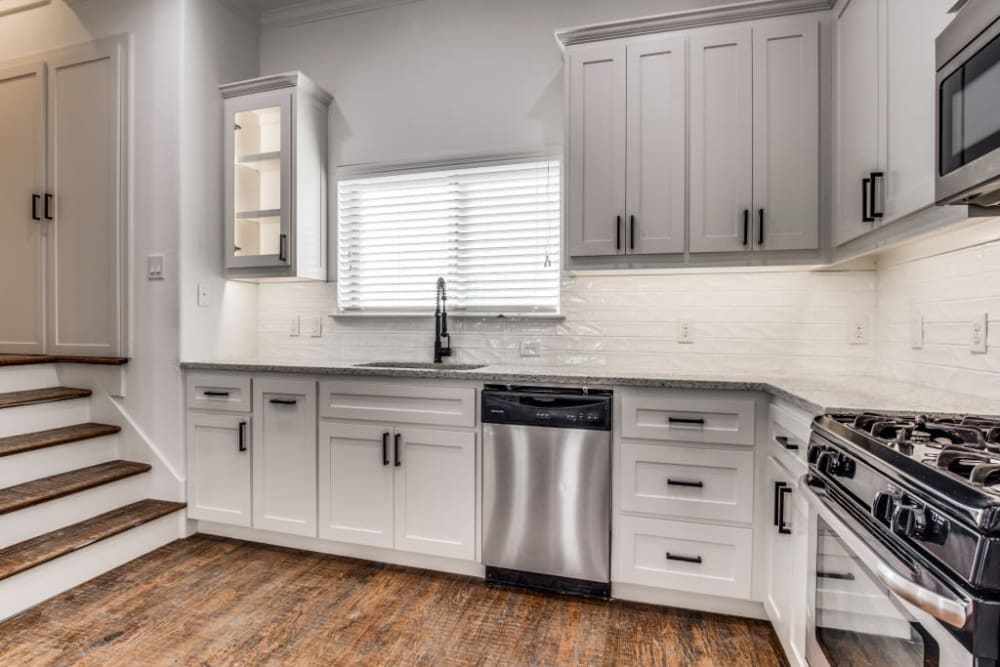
(220, 46)
(153, 377)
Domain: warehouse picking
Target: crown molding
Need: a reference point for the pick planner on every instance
(309, 11)
(693, 18)
(263, 84)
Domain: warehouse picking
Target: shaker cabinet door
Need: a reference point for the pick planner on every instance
(218, 484)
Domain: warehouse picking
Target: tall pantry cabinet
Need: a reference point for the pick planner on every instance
(62, 204)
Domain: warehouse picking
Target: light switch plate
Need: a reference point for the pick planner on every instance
(312, 327)
(977, 334)
(202, 296)
(917, 332)
(685, 331)
(154, 267)
(857, 330)
(530, 348)
(294, 326)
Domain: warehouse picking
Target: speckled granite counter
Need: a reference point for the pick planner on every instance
(813, 394)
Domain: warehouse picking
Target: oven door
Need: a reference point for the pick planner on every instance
(865, 608)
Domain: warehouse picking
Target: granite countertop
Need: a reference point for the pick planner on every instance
(814, 394)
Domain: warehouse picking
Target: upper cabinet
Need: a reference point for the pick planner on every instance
(885, 111)
(698, 141)
(276, 178)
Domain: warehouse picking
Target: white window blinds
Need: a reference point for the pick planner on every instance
(491, 231)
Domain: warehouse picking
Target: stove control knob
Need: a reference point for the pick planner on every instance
(909, 521)
(884, 505)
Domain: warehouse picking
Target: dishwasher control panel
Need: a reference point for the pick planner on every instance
(555, 407)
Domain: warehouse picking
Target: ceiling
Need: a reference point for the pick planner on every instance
(268, 5)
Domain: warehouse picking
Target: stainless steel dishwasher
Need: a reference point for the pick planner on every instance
(547, 488)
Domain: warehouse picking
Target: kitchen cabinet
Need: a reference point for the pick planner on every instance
(219, 459)
(63, 192)
(275, 178)
(885, 111)
(284, 456)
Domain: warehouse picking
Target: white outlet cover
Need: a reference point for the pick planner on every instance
(294, 326)
(917, 332)
(685, 331)
(857, 330)
(530, 348)
(977, 334)
(312, 326)
(202, 296)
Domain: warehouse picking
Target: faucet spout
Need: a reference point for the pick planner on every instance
(442, 339)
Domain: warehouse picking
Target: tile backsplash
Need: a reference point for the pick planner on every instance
(753, 320)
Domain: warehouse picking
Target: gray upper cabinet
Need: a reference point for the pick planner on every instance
(276, 178)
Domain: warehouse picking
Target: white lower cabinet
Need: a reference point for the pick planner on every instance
(786, 552)
(284, 456)
(218, 450)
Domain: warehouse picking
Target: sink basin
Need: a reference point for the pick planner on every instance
(416, 365)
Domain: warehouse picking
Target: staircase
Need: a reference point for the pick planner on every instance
(70, 508)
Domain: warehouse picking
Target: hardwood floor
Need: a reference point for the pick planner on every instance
(213, 601)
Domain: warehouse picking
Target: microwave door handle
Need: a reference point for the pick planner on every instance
(953, 611)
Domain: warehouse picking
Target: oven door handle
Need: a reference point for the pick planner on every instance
(951, 610)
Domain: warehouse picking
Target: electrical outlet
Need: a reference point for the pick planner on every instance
(857, 332)
(917, 332)
(202, 296)
(977, 335)
(313, 327)
(685, 331)
(294, 326)
(530, 348)
(154, 267)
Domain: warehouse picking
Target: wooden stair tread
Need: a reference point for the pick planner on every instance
(49, 488)
(30, 359)
(13, 399)
(31, 553)
(27, 442)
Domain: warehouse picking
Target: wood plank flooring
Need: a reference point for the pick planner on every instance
(213, 601)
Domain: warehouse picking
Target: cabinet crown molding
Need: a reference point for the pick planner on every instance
(309, 11)
(692, 18)
(276, 82)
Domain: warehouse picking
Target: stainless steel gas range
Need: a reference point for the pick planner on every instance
(907, 541)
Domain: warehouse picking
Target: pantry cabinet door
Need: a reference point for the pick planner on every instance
(22, 224)
(356, 483)
(786, 134)
(657, 128)
(284, 456)
(721, 139)
(436, 492)
(86, 240)
(596, 151)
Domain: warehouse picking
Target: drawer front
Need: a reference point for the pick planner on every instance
(688, 417)
(789, 431)
(692, 557)
(688, 482)
(398, 403)
(220, 392)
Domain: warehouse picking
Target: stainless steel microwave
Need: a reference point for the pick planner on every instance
(968, 106)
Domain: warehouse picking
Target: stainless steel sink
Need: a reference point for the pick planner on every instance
(416, 365)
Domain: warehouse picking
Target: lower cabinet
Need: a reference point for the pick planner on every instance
(284, 456)
(786, 552)
(412, 489)
(218, 448)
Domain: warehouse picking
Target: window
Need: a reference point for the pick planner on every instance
(491, 231)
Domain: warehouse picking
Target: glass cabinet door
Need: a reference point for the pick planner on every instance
(259, 179)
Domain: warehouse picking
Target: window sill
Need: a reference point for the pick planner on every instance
(453, 315)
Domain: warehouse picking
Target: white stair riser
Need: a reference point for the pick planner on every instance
(43, 416)
(55, 514)
(20, 468)
(20, 378)
(36, 585)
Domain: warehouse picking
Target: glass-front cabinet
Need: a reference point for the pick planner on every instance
(276, 171)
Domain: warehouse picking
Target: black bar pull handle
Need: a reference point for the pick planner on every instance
(385, 448)
(216, 393)
(48, 200)
(783, 441)
(399, 462)
(618, 232)
(34, 207)
(684, 559)
(283, 401)
(876, 178)
(760, 227)
(841, 576)
(865, 197)
(681, 482)
(695, 421)
(242, 436)
(631, 232)
(746, 226)
(777, 500)
(784, 491)
(283, 247)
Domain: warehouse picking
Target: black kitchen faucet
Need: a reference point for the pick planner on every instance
(442, 339)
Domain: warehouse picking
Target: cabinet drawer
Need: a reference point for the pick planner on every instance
(398, 402)
(689, 482)
(220, 392)
(790, 430)
(692, 557)
(688, 417)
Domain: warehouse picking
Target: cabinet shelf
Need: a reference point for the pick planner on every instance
(260, 161)
(259, 215)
